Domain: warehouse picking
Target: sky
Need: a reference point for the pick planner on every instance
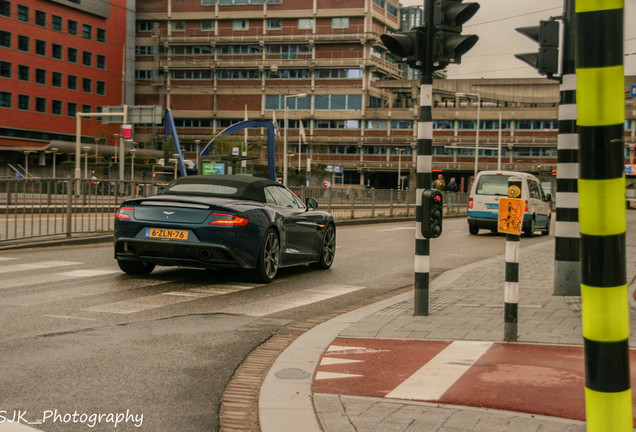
(495, 23)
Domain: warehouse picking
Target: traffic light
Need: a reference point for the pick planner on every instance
(546, 60)
(432, 206)
(410, 46)
(448, 43)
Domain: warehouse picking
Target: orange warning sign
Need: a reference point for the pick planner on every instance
(510, 215)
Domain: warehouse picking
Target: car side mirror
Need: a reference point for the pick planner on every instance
(548, 197)
(311, 203)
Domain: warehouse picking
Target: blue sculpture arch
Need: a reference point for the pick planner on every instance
(271, 131)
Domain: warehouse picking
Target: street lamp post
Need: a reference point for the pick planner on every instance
(26, 163)
(54, 150)
(197, 142)
(399, 179)
(116, 136)
(285, 162)
(86, 149)
(132, 163)
(477, 133)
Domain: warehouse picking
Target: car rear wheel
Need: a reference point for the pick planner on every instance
(546, 231)
(328, 249)
(268, 258)
(135, 267)
(473, 229)
(529, 232)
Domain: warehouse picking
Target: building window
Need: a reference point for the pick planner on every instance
(5, 99)
(56, 22)
(71, 82)
(305, 23)
(274, 24)
(87, 58)
(145, 74)
(339, 102)
(40, 76)
(56, 51)
(87, 108)
(401, 124)
(100, 88)
(377, 124)
(207, 25)
(40, 47)
(56, 107)
(23, 73)
(23, 13)
(241, 25)
(101, 35)
(71, 109)
(339, 23)
(5, 8)
(87, 31)
(5, 39)
(207, 2)
(177, 25)
(23, 102)
(71, 55)
(72, 27)
(145, 25)
(40, 105)
(56, 79)
(87, 85)
(5, 69)
(40, 18)
(23, 43)
(101, 61)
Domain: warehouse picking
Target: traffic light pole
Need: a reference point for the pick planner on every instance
(567, 264)
(600, 118)
(424, 168)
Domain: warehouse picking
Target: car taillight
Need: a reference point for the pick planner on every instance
(222, 219)
(470, 203)
(526, 208)
(123, 213)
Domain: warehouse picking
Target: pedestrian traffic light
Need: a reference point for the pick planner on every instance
(546, 60)
(432, 206)
(448, 43)
(410, 46)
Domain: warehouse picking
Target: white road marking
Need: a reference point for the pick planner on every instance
(326, 361)
(433, 379)
(35, 266)
(71, 317)
(334, 375)
(167, 299)
(89, 273)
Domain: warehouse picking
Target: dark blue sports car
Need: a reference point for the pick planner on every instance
(229, 221)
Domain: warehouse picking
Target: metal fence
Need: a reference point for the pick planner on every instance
(40, 208)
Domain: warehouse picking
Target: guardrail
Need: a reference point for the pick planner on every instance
(41, 208)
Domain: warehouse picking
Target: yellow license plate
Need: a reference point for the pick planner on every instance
(167, 233)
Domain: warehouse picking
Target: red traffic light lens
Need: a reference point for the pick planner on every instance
(437, 198)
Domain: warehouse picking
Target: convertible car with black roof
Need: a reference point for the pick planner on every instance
(223, 221)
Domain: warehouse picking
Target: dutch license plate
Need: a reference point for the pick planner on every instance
(164, 233)
(492, 206)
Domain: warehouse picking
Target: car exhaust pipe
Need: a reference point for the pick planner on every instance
(205, 254)
(130, 247)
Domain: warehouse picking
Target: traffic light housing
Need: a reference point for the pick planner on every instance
(448, 43)
(546, 60)
(432, 207)
(410, 46)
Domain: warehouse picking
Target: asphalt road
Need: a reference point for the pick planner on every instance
(80, 337)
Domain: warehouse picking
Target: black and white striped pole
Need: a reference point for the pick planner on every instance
(567, 264)
(510, 222)
(602, 220)
(431, 47)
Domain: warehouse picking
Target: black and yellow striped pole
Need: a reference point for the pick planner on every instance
(602, 220)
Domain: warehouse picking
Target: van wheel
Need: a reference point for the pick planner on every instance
(529, 232)
(473, 229)
(546, 231)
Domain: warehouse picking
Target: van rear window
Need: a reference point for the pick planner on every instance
(493, 185)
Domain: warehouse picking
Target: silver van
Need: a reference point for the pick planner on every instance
(489, 186)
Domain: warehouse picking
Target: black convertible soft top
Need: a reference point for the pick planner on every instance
(230, 186)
